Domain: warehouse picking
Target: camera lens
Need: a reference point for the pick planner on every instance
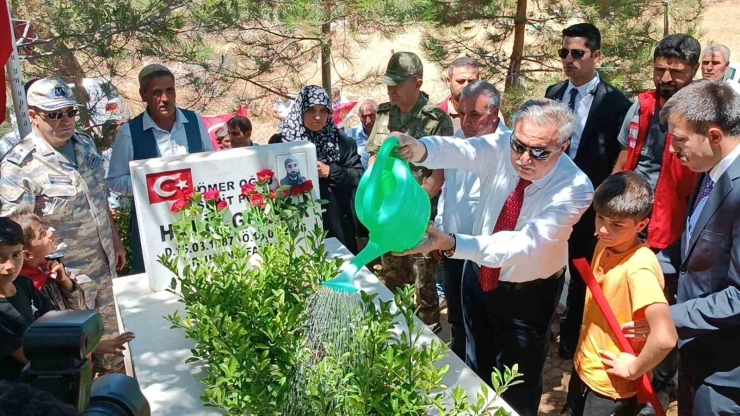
(117, 395)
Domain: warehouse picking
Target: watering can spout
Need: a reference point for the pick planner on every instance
(344, 282)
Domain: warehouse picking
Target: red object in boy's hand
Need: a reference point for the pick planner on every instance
(645, 392)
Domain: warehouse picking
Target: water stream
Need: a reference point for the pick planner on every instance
(333, 318)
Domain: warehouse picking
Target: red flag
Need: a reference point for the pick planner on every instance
(213, 123)
(645, 390)
(341, 111)
(6, 49)
(169, 186)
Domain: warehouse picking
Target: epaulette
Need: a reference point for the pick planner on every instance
(433, 111)
(84, 138)
(384, 107)
(19, 153)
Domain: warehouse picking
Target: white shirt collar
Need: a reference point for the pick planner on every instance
(585, 89)
(721, 167)
(148, 123)
(501, 129)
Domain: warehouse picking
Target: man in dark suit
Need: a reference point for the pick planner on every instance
(704, 119)
(594, 148)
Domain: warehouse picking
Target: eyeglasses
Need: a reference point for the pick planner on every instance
(536, 153)
(57, 115)
(576, 53)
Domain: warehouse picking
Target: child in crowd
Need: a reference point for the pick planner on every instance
(223, 138)
(21, 304)
(604, 380)
(49, 277)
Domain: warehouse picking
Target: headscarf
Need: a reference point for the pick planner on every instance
(292, 129)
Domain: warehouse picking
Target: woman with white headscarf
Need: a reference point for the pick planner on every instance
(339, 165)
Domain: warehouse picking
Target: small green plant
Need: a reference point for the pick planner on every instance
(246, 308)
(390, 371)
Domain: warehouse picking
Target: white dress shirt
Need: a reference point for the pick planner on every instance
(357, 133)
(538, 247)
(282, 107)
(169, 143)
(458, 201)
(584, 99)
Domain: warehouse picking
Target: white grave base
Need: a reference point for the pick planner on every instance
(159, 353)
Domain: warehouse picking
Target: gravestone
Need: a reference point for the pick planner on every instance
(159, 183)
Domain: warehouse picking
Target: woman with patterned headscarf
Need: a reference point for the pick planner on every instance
(339, 165)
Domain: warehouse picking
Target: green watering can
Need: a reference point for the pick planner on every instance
(394, 208)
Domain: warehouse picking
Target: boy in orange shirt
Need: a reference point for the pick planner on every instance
(603, 381)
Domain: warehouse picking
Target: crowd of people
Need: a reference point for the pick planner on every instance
(644, 190)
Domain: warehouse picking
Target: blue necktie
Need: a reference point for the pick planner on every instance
(572, 102)
(706, 187)
(701, 199)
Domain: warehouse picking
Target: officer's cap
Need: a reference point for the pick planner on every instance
(402, 66)
(50, 94)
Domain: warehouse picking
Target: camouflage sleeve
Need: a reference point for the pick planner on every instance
(14, 193)
(444, 127)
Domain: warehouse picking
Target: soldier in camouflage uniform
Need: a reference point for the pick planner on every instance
(57, 173)
(410, 112)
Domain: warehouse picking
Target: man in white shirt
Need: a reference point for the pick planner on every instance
(516, 255)
(458, 202)
(461, 72)
(361, 133)
(161, 130)
(715, 61)
(281, 108)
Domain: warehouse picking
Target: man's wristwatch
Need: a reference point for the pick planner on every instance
(451, 252)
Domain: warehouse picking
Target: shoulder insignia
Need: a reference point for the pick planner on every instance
(384, 107)
(433, 111)
(84, 137)
(18, 154)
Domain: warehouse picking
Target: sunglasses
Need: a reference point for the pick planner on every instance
(57, 115)
(536, 153)
(576, 53)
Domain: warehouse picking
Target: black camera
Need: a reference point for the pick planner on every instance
(57, 346)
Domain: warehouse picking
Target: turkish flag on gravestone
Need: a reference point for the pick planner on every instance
(169, 186)
(6, 49)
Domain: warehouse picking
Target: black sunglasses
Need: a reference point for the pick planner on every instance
(536, 153)
(57, 115)
(576, 53)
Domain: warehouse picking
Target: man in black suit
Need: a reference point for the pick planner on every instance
(704, 119)
(594, 148)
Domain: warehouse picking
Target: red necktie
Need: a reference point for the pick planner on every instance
(487, 276)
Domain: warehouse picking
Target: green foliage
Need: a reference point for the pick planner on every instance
(123, 224)
(247, 309)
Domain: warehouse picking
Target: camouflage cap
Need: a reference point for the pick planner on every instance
(50, 94)
(402, 66)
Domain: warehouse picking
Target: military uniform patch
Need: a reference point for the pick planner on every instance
(59, 179)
